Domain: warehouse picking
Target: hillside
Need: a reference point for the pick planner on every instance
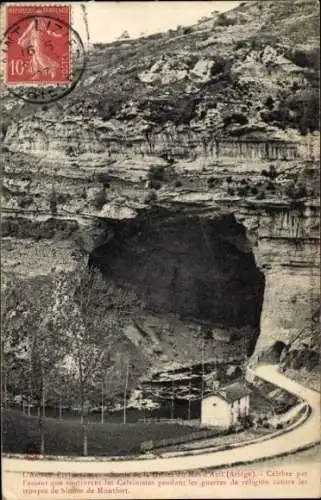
(184, 166)
(256, 66)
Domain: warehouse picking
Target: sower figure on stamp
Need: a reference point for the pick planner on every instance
(32, 40)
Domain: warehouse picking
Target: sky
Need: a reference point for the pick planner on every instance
(108, 20)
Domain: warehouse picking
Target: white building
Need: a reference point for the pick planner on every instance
(225, 407)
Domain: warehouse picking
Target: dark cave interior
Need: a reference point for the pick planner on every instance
(197, 267)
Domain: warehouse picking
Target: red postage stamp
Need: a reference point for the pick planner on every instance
(38, 45)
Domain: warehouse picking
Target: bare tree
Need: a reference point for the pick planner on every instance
(14, 324)
(125, 392)
(95, 311)
(6, 337)
(31, 338)
(189, 394)
(202, 362)
(46, 352)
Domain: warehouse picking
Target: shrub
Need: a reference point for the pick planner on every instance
(178, 183)
(187, 30)
(157, 173)
(273, 172)
(109, 104)
(254, 190)
(223, 20)
(243, 190)
(235, 118)
(100, 199)
(63, 197)
(260, 196)
(172, 108)
(221, 65)
(270, 186)
(247, 421)
(296, 192)
(297, 110)
(269, 103)
(306, 59)
(103, 178)
(229, 179)
(70, 151)
(154, 184)
(25, 201)
(230, 191)
(212, 181)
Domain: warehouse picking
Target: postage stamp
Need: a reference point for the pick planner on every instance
(42, 55)
(39, 44)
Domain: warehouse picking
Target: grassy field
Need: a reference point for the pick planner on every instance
(219, 440)
(20, 435)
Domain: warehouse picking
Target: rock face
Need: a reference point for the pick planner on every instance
(226, 243)
(39, 136)
(263, 270)
(245, 270)
(253, 150)
(287, 252)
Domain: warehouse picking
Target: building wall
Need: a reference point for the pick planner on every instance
(240, 408)
(216, 412)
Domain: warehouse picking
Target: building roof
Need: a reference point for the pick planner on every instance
(232, 392)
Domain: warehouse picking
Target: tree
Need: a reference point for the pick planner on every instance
(9, 303)
(30, 340)
(94, 311)
(126, 379)
(46, 348)
(106, 379)
(124, 36)
(269, 103)
(100, 199)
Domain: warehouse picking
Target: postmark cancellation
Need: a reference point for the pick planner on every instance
(42, 55)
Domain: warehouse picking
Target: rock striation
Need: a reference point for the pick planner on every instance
(191, 177)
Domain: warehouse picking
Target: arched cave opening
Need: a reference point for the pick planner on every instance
(199, 268)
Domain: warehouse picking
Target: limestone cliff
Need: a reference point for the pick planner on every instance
(190, 174)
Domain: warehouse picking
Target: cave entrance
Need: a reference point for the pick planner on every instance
(199, 268)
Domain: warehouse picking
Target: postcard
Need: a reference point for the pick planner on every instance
(160, 242)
